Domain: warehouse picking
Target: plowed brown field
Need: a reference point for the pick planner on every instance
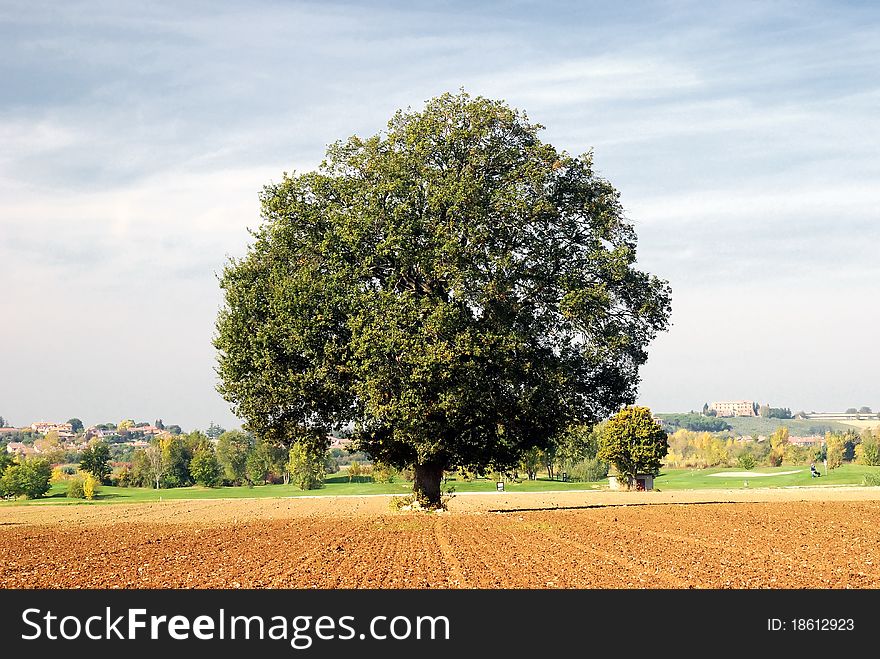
(784, 539)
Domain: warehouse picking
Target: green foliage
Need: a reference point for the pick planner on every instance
(140, 474)
(5, 460)
(868, 450)
(798, 455)
(306, 467)
(383, 473)
(124, 479)
(589, 470)
(745, 460)
(258, 464)
(456, 289)
(633, 442)
(75, 425)
(176, 456)
(577, 443)
(695, 422)
(75, 488)
(531, 461)
(871, 479)
(835, 446)
(214, 431)
(95, 460)
(233, 447)
(354, 470)
(26, 478)
(204, 469)
(82, 486)
(698, 450)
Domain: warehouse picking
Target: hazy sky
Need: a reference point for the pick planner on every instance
(744, 139)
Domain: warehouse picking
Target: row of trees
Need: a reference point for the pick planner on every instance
(698, 450)
(696, 422)
(237, 458)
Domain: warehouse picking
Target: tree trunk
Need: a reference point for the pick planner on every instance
(426, 484)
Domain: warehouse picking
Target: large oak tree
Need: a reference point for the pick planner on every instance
(454, 288)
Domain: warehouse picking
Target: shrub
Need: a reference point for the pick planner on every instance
(306, 467)
(774, 458)
(868, 451)
(29, 479)
(76, 488)
(383, 473)
(91, 486)
(124, 477)
(589, 470)
(746, 461)
(871, 479)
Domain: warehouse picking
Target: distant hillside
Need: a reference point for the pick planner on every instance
(756, 425)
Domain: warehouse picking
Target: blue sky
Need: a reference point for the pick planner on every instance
(134, 141)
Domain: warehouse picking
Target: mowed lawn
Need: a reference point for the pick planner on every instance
(334, 486)
(669, 479)
(697, 479)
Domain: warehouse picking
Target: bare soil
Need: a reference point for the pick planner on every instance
(768, 538)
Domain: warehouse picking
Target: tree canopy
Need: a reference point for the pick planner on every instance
(455, 288)
(634, 443)
(95, 460)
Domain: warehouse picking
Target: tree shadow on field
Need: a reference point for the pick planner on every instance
(610, 505)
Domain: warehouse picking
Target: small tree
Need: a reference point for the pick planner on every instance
(354, 470)
(233, 447)
(835, 446)
(634, 443)
(90, 486)
(258, 464)
(156, 465)
(746, 460)
(306, 467)
(778, 444)
(75, 488)
(28, 478)
(530, 462)
(204, 468)
(214, 431)
(868, 450)
(383, 473)
(95, 460)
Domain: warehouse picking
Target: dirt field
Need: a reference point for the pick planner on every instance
(773, 538)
